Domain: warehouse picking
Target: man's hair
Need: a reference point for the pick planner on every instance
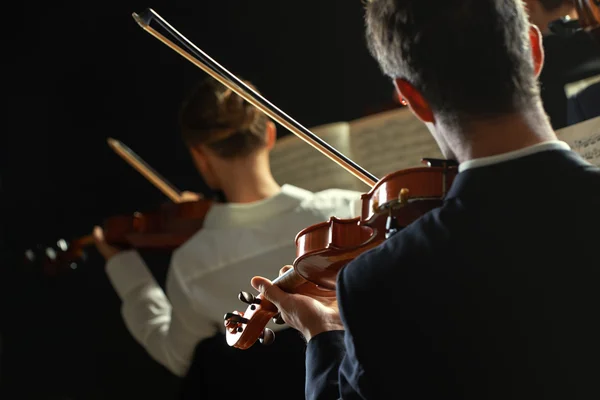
(215, 116)
(467, 57)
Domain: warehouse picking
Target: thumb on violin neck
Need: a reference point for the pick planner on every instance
(98, 234)
(268, 290)
(261, 284)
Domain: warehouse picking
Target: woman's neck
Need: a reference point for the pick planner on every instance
(248, 183)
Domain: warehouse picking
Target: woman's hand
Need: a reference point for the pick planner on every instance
(104, 248)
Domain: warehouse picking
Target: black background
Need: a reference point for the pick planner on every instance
(76, 73)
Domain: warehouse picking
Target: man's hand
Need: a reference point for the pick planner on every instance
(104, 248)
(309, 315)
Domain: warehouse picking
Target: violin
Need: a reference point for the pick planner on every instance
(589, 16)
(322, 250)
(166, 228)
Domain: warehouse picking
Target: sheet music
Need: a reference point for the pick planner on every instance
(295, 162)
(584, 138)
(391, 141)
(385, 143)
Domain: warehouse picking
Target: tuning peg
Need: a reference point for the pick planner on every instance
(278, 319)
(248, 298)
(236, 318)
(267, 337)
(51, 253)
(30, 255)
(62, 244)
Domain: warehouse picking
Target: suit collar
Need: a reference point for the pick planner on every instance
(488, 180)
(537, 148)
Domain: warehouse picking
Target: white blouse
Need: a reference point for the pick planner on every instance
(236, 243)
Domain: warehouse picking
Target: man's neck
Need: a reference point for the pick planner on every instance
(499, 135)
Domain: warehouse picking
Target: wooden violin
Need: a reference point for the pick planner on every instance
(166, 228)
(323, 249)
(589, 16)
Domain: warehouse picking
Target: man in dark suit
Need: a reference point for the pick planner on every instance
(494, 295)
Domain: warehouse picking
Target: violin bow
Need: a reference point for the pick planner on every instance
(589, 16)
(143, 168)
(215, 70)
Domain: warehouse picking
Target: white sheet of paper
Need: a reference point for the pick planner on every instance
(295, 162)
(384, 143)
(584, 138)
(391, 141)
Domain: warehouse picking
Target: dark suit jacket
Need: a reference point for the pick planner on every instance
(584, 105)
(567, 59)
(495, 295)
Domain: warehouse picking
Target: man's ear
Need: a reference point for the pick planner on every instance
(415, 100)
(537, 49)
(270, 135)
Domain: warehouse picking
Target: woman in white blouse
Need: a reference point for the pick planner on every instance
(252, 234)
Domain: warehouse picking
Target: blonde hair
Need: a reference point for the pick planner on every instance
(215, 116)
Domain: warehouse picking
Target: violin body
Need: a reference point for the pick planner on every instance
(393, 203)
(168, 228)
(322, 250)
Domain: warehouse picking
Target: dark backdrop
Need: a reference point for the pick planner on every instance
(76, 73)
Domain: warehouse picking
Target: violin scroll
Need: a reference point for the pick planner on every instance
(241, 333)
(252, 300)
(243, 329)
(62, 255)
